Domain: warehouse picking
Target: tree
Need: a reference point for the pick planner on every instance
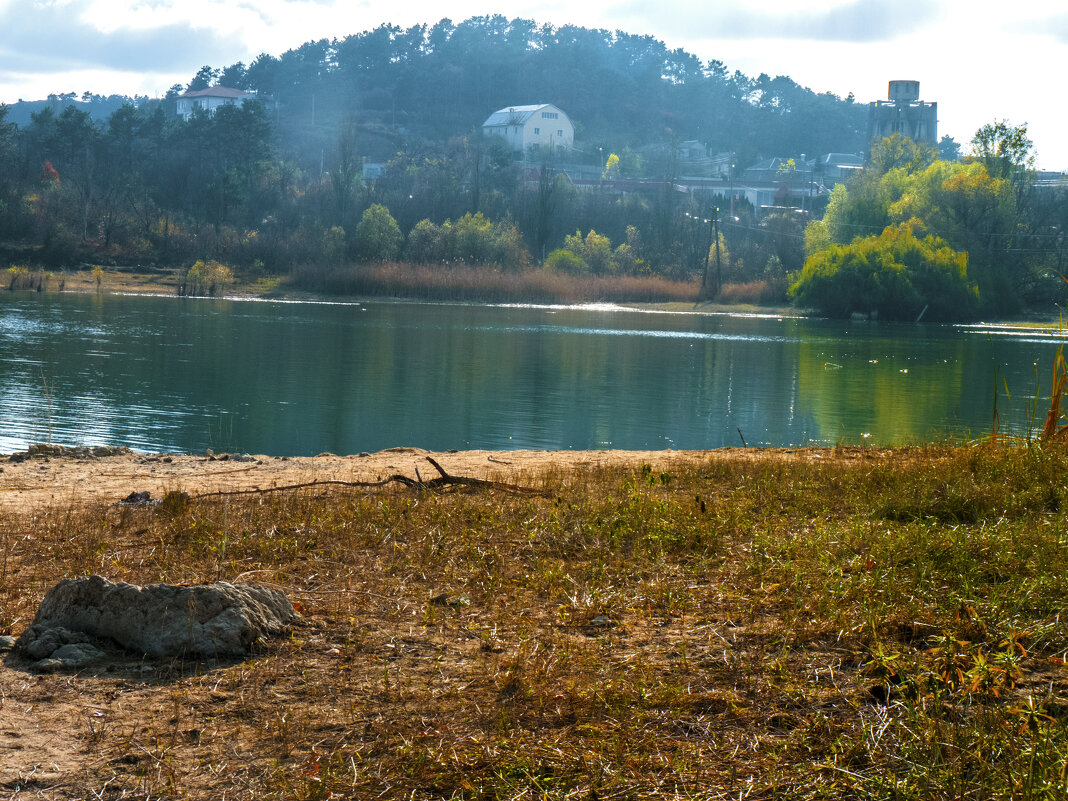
(378, 237)
(205, 78)
(897, 151)
(235, 76)
(7, 168)
(345, 175)
(965, 205)
(948, 148)
(897, 274)
(611, 168)
(1004, 149)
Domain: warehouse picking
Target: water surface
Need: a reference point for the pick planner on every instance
(173, 374)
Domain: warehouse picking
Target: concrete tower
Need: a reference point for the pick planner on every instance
(904, 113)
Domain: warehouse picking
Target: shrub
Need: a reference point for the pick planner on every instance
(564, 261)
(205, 278)
(595, 251)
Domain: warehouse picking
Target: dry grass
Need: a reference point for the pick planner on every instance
(487, 285)
(759, 292)
(850, 626)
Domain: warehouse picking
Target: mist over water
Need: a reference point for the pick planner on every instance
(170, 374)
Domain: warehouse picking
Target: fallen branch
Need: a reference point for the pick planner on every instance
(443, 481)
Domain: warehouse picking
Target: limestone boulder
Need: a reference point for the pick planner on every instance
(158, 620)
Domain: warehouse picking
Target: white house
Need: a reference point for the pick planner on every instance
(524, 127)
(210, 99)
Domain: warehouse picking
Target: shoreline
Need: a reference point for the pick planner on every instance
(275, 289)
(165, 284)
(49, 476)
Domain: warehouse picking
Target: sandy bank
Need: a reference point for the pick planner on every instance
(26, 483)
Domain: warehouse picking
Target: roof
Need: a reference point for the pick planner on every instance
(217, 91)
(843, 159)
(513, 115)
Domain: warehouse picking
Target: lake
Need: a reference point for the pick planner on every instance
(295, 378)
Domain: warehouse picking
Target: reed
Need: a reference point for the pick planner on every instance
(483, 284)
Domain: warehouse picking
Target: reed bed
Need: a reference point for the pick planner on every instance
(829, 624)
(487, 285)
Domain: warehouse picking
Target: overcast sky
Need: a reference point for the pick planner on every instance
(981, 61)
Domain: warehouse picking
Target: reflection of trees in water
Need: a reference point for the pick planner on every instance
(896, 390)
(190, 374)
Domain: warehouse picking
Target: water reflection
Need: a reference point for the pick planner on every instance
(295, 378)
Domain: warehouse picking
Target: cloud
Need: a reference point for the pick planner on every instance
(51, 37)
(858, 21)
(1055, 26)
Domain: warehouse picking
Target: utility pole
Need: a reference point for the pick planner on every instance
(732, 183)
(709, 291)
(719, 269)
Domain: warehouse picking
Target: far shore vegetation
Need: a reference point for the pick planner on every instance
(361, 167)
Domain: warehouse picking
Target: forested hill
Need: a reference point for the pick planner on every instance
(427, 84)
(279, 185)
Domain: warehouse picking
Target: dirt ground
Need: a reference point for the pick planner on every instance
(69, 481)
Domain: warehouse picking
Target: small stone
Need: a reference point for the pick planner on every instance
(137, 499)
(602, 622)
(39, 644)
(6, 642)
(76, 655)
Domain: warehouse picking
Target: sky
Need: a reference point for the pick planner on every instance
(981, 61)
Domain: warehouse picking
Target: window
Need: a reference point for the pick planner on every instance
(560, 133)
(549, 115)
(537, 131)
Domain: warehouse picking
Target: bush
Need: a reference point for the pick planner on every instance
(205, 278)
(595, 251)
(472, 239)
(895, 274)
(564, 261)
(24, 278)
